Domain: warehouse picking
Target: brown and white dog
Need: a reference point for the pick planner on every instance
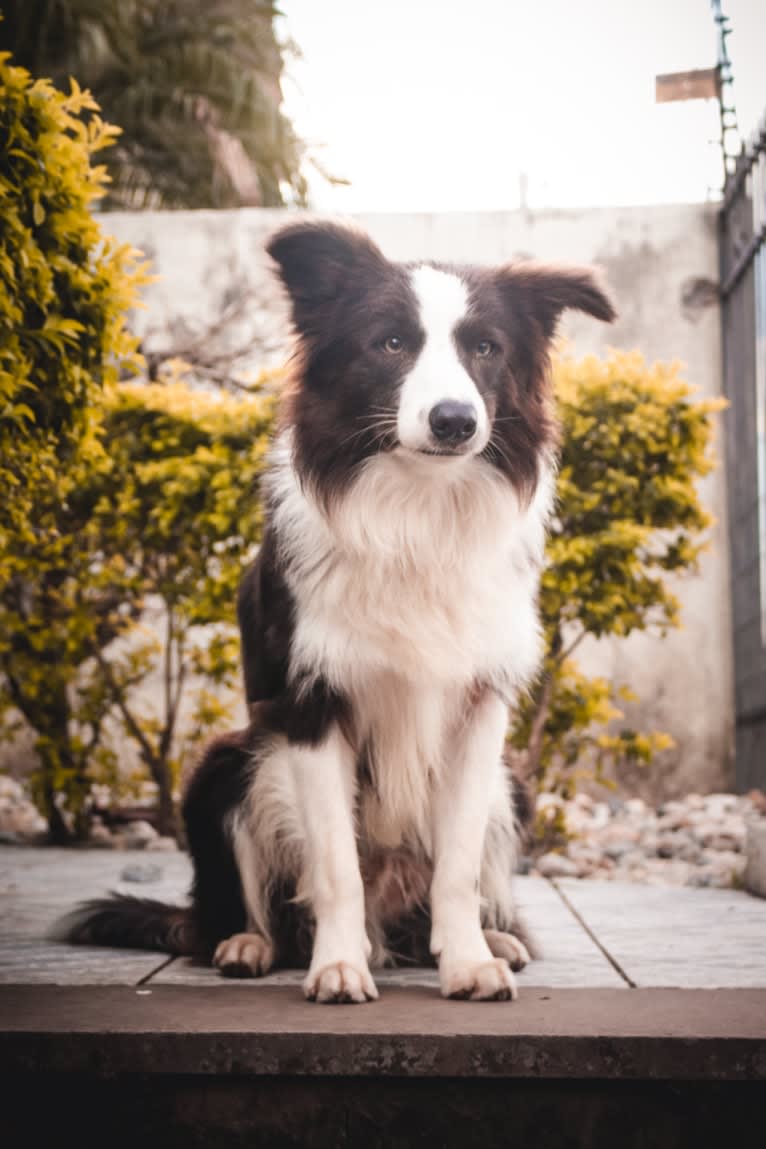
(387, 624)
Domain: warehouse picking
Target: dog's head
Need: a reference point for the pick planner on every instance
(440, 363)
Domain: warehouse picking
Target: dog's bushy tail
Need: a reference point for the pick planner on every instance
(127, 922)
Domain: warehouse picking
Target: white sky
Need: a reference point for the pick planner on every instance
(441, 105)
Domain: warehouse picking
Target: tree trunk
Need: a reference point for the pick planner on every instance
(57, 757)
(167, 819)
(59, 833)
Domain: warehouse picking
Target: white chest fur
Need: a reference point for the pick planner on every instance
(424, 570)
(421, 582)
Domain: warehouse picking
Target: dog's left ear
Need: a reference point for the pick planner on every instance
(542, 292)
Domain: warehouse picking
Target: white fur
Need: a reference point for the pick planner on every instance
(462, 809)
(438, 373)
(418, 584)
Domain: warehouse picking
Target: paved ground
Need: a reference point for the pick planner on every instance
(643, 1023)
(593, 935)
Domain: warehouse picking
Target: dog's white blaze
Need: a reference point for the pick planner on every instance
(438, 373)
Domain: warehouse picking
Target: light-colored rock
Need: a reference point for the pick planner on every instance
(694, 842)
(141, 872)
(18, 815)
(10, 788)
(101, 837)
(719, 804)
(619, 833)
(137, 835)
(556, 866)
(162, 845)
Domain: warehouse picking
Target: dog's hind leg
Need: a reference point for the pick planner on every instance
(244, 955)
(508, 946)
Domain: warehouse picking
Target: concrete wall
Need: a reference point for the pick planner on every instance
(662, 265)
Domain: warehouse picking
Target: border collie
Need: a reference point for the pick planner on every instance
(388, 623)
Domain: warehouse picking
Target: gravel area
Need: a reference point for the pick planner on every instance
(698, 840)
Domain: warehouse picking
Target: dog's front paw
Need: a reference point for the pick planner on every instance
(508, 946)
(244, 955)
(340, 982)
(478, 981)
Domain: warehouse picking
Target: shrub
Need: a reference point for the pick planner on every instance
(628, 515)
(180, 503)
(64, 292)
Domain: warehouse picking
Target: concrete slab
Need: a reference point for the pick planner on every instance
(587, 932)
(569, 957)
(670, 936)
(40, 963)
(38, 886)
(584, 1034)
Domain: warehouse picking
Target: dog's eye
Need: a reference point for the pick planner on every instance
(485, 348)
(393, 345)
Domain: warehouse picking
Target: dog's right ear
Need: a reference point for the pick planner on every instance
(319, 262)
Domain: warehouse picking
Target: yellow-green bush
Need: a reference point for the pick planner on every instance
(635, 444)
(179, 503)
(64, 293)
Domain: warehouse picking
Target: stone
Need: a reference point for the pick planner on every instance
(100, 836)
(549, 803)
(584, 800)
(10, 788)
(725, 867)
(19, 816)
(619, 833)
(141, 872)
(719, 804)
(138, 834)
(648, 841)
(557, 866)
(672, 809)
(618, 850)
(161, 845)
(675, 820)
(725, 841)
(601, 815)
(700, 878)
(678, 845)
(666, 846)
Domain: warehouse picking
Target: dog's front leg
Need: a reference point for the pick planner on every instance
(324, 778)
(461, 813)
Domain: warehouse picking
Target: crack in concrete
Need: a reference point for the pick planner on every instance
(581, 921)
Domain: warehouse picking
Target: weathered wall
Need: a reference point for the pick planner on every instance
(662, 265)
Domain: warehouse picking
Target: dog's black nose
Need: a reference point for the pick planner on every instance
(452, 422)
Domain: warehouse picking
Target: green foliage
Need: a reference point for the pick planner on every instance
(180, 501)
(628, 515)
(195, 88)
(64, 293)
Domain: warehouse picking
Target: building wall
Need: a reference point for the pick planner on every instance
(661, 263)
